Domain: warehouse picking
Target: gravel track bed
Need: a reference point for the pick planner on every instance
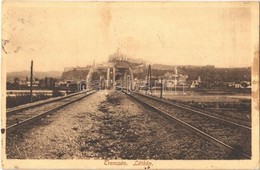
(28, 113)
(240, 117)
(108, 126)
(237, 115)
(233, 136)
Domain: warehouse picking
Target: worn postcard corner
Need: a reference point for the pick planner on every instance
(129, 85)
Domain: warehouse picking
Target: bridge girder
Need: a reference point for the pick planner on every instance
(110, 76)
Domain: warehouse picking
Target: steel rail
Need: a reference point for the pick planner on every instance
(40, 103)
(14, 127)
(192, 128)
(197, 111)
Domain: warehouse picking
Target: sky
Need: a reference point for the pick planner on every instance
(67, 34)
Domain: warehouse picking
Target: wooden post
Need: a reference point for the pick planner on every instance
(128, 84)
(161, 87)
(149, 80)
(108, 78)
(31, 81)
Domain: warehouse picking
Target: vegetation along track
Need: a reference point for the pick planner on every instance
(26, 116)
(226, 134)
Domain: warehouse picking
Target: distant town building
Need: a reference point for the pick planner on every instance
(49, 82)
(118, 56)
(196, 83)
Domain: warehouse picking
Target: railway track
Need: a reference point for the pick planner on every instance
(17, 118)
(233, 137)
(223, 114)
(20, 108)
(221, 119)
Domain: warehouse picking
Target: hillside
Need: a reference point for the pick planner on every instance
(74, 75)
(40, 75)
(207, 73)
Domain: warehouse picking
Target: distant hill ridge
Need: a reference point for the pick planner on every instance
(208, 72)
(38, 74)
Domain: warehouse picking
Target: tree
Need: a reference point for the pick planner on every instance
(16, 80)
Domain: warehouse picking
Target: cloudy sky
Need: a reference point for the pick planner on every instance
(63, 34)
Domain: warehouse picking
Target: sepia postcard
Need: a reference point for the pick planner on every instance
(129, 85)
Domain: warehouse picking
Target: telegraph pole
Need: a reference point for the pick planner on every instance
(175, 81)
(127, 87)
(149, 81)
(161, 87)
(31, 81)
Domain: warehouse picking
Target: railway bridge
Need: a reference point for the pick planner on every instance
(110, 75)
